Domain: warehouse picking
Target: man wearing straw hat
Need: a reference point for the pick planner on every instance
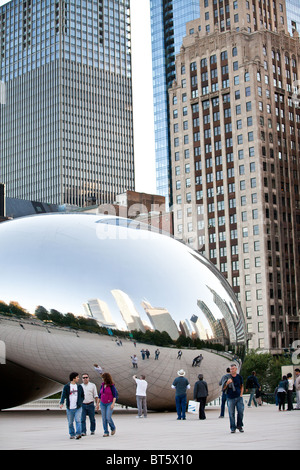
(181, 385)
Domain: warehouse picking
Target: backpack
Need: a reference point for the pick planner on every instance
(251, 382)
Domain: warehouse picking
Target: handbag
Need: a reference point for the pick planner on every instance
(193, 407)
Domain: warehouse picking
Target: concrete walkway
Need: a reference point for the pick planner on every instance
(265, 429)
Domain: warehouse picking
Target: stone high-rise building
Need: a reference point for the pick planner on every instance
(235, 145)
(66, 125)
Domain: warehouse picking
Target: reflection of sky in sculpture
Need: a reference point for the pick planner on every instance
(61, 261)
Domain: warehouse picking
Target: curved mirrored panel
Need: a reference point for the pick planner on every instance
(125, 275)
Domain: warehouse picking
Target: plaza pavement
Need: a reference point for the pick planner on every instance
(265, 429)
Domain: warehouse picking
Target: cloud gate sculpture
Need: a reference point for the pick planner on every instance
(128, 277)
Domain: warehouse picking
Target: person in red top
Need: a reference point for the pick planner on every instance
(107, 398)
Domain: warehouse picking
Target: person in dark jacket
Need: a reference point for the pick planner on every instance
(200, 395)
(252, 385)
(73, 394)
(282, 392)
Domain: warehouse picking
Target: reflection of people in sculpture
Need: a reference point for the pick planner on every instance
(98, 369)
(179, 354)
(134, 361)
(197, 361)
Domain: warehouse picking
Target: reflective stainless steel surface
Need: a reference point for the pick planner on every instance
(125, 276)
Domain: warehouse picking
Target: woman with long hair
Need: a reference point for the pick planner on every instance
(107, 397)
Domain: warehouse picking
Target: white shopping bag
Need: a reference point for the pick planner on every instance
(193, 407)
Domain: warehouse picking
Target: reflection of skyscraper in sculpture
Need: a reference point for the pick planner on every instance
(216, 325)
(234, 323)
(161, 319)
(128, 311)
(199, 329)
(99, 310)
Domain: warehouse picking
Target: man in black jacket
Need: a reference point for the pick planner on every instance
(73, 393)
(200, 394)
(252, 385)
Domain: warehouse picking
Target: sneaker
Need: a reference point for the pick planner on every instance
(72, 437)
(232, 431)
(113, 432)
(105, 435)
(83, 434)
(92, 433)
(241, 429)
(139, 416)
(78, 436)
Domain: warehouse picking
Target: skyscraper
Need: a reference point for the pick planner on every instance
(67, 126)
(168, 19)
(235, 145)
(293, 15)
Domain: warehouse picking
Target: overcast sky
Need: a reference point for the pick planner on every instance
(144, 145)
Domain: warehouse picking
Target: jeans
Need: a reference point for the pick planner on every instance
(88, 410)
(223, 403)
(202, 402)
(74, 414)
(252, 392)
(281, 399)
(141, 405)
(235, 404)
(106, 413)
(180, 401)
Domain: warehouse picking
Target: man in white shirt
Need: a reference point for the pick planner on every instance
(141, 398)
(73, 394)
(88, 405)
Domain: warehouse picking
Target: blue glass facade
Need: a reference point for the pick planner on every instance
(168, 27)
(67, 125)
(34, 33)
(293, 15)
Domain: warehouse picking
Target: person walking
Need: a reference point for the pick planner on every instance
(141, 396)
(98, 369)
(282, 392)
(157, 353)
(224, 395)
(134, 361)
(143, 353)
(181, 385)
(290, 391)
(252, 385)
(73, 394)
(234, 387)
(88, 405)
(107, 399)
(200, 394)
(297, 388)
(179, 354)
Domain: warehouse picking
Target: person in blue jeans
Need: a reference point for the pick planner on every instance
(88, 405)
(234, 388)
(73, 394)
(252, 385)
(107, 398)
(224, 395)
(181, 385)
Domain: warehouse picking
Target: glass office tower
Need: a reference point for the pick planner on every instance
(67, 125)
(168, 27)
(293, 15)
